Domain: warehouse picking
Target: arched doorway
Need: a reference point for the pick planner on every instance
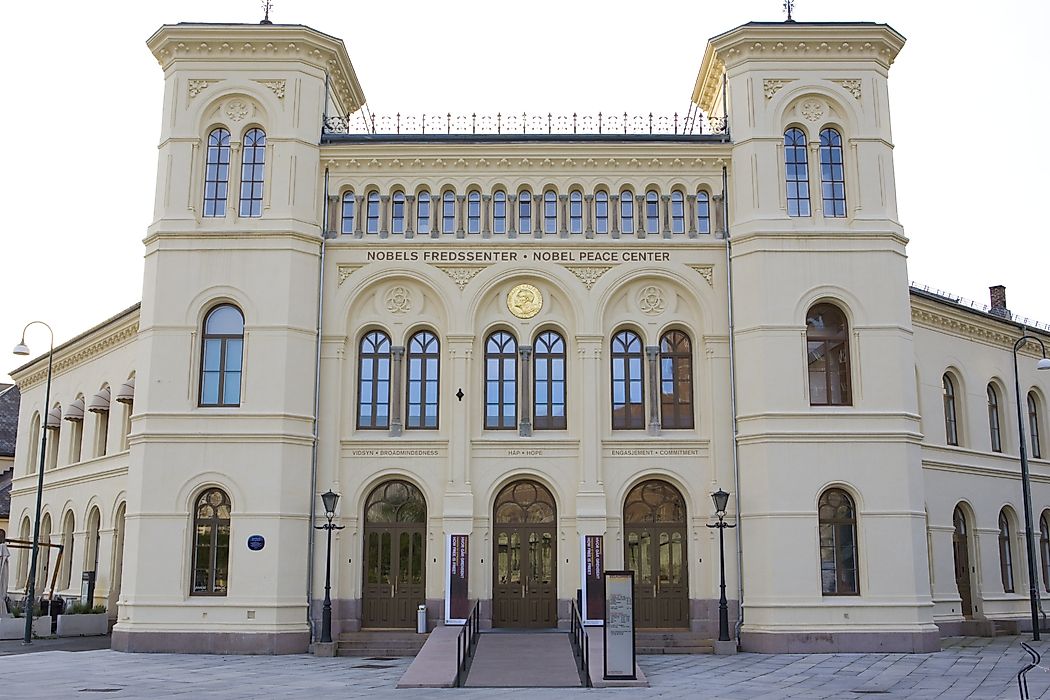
(118, 560)
(961, 551)
(656, 550)
(395, 555)
(525, 562)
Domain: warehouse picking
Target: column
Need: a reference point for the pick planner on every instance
(525, 409)
(410, 216)
(591, 377)
(652, 352)
(486, 216)
(359, 219)
(639, 216)
(588, 208)
(691, 213)
(334, 224)
(384, 216)
(397, 355)
(512, 215)
(233, 194)
(816, 202)
(436, 210)
(664, 199)
(461, 218)
(563, 227)
(614, 215)
(718, 224)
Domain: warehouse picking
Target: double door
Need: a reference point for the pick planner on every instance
(657, 556)
(525, 586)
(394, 566)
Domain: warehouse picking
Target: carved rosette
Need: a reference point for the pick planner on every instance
(237, 110)
(461, 275)
(588, 274)
(812, 110)
(651, 300)
(398, 300)
(707, 272)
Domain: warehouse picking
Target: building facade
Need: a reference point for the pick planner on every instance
(505, 350)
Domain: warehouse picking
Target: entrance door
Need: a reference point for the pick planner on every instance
(961, 550)
(394, 556)
(656, 549)
(525, 580)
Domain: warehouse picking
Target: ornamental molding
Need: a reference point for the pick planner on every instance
(824, 50)
(237, 109)
(707, 272)
(970, 329)
(651, 300)
(371, 164)
(347, 270)
(67, 362)
(276, 86)
(461, 274)
(812, 110)
(588, 274)
(196, 87)
(850, 85)
(770, 86)
(399, 301)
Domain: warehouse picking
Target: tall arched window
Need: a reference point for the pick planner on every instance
(253, 161)
(65, 572)
(576, 212)
(652, 212)
(499, 212)
(448, 212)
(993, 419)
(33, 463)
(217, 173)
(373, 382)
(397, 212)
(1006, 559)
(23, 561)
(1033, 426)
(677, 211)
(211, 543)
(626, 211)
(676, 381)
(832, 177)
(951, 425)
(1044, 549)
(349, 202)
(524, 211)
(222, 345)
(549, 382)
(628, 407)
(796, 172)
(703, 212)
(501, 381)
(473, 212)
(601, 211)
(423, 212)
(838, 543)
(372, 212)
(827, 354)
(550, 211)
(423, 374)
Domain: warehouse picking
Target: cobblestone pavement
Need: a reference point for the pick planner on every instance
(965, 668)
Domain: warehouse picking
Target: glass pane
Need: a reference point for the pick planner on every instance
(231, 390)
(384, 558)
(224, 320)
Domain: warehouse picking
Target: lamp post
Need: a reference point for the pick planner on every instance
(30, 604)
(330, 500)
(1026, 486)
(721, 500)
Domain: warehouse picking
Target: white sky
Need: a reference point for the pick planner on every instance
(82, 100)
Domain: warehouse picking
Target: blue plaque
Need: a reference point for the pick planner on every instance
(256, 542)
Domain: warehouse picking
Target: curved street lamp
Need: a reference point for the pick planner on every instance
(30, 604)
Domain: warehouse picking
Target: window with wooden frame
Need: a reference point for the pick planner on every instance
(652, 211)
(1044, 549)
(628, 384)
(499, 212)
(373, 382)
(677, 211)
(448, 212)
(421, 400)
(423, 212)
(994, 434)
(951, 423)
(550, 211)
(626, 211)
(676, 381)
(703, 212)
(253, 166)
(838, 543)
(524, 212)
(549, 382)
(222, 346)
(397, 212)
(832, 174)
(601, 211)
(473, 212)
(576, 212)
(211, 544)
(796, 172)
(501, 381)
(827, 355)
(1006, 559)
(372, 212)
(349, 205)
(217, 173)
(1033, 426)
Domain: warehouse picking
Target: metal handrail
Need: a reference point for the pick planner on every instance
(1022, 678)
(501, 123)
(581, 643)
(465, 643)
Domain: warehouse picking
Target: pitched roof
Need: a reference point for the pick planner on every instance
(9, 399)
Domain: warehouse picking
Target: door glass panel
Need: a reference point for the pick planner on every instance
(645, 558)
(535, 557)
(502, 558)
(404, 568)
(665, 558)
(417, 558)
(384, 558)
(515, 557)
(547, 554)
(373, 557)
(676, 558)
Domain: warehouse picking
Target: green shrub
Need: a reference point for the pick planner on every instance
(79, 608)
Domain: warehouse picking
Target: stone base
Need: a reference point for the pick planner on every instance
(211, 642)
(840, 642)
(725, 648)
(326, 649)
(14, 627)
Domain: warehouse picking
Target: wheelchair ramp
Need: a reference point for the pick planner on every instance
(524, 660)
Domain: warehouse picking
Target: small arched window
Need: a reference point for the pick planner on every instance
(423, 374)
(211, 543)
(423, 212)
(832, 176)
(373, 382)
(677, 211)
(222, 346)
(217, 173)
(549, 382)
(349, 202)
(796, 172)
(827, 354)
(372, 212)
(601, 211)
(576, 212)
(448, 212)
(397, 212)
(1006, 558)
(474, 212)
(1033, 426)
(524, 211)
(253, 161)
(951, 425)
(703, 212)
(626, 211)
(676, 381)
(1044, 549)
(993, 419)
(838, 543)
(499, 212)
(501, 381)
(628, 390)
(550, 211)
(652, 212)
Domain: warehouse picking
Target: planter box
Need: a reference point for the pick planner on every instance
(83, 625)
(14, 627)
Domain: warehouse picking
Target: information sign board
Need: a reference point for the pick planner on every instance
(619, 625)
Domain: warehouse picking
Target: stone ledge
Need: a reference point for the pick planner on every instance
(840, 642)
(211, 642)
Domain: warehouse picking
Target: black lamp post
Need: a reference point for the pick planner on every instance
(1026, 486)
(721, 500)
(30, 604)
(330, 500)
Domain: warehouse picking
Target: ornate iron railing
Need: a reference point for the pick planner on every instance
(448, 123)
(978, 306)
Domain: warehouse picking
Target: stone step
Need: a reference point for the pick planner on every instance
(675, 650)
(380, 643)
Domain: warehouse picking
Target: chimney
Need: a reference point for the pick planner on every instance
(997, 294)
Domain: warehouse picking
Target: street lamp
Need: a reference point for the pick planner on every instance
(721, 500)
(1026, 486)
(330, 500)
(30, 604)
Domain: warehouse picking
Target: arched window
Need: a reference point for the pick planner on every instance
(993, 419)
(1033, 426)
(524, 211)
(75, 415)
(838, 543)
(550, 211)
(501, 381)
(253, 160)
(832, 178)
(43, 566)
(53, 422)
(423, 368)
(601, 211)
(703, 212)
(373, 382)
(423, 212)
(796, 172)
(827, 353)
(626, 211)
(211, 543)
(65, 572)
(372, 212)
(549, 382)
(23, 561)
(676, 381)
(499, 212)
(652, 212)
(628, 407)
(217, 173)
(1044, 549)
(474, 212)
(1006, 559)
(99, 406)
(221, 357)
(951, 426)
(677, 211)
(397, 212)
(448, 212)
(33, 463)
(349, 202)
(576, 212)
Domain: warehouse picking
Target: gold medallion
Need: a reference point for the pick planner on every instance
(524, 301)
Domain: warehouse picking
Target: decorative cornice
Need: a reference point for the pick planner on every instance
(461, 274)
(588, 274)
(969, 329)
(371, 164)
(89, 351)
(346, 270)
(707, 272)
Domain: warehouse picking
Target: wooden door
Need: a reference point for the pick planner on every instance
(961, 551)
(525, 561)
(656, 550)
(394, 556)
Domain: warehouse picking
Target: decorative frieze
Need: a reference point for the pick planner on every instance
(276, 86)
(461, 274)
(67, 362)
(588, 274)
(707, 272)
